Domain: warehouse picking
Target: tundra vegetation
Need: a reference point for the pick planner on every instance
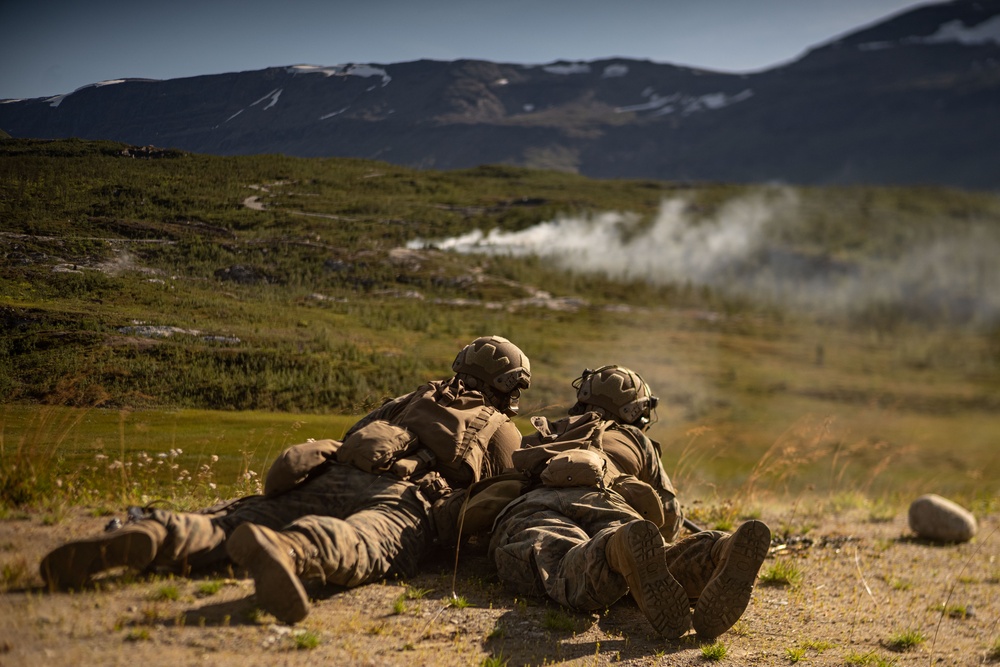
(169, 322)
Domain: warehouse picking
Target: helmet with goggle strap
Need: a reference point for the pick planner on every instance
(499, 369)
(619, 392)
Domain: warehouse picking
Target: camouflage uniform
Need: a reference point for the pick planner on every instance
(552, 541)
(341, 524)
(364, 526)
(586, 547)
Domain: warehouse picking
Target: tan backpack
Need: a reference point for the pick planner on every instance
(580, 432)
(294, 465)
(455, 424)
(568, 452)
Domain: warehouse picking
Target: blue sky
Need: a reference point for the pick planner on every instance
(52, 47)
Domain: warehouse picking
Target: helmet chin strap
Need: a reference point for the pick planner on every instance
(505, 403)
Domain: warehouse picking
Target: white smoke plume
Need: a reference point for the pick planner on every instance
(739, 252)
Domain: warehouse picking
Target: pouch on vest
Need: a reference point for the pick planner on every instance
(414, 464)
(376, 445)
(641, 497)
(575, 467)
(295, 464)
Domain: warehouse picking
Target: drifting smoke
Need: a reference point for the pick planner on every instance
(739, 252)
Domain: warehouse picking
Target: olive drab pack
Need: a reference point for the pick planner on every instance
(568, 452)
(441, 426)
(551, 438)
(294, 465)
(641, 497)
(577, 467)
(375, 446)
(454, 424)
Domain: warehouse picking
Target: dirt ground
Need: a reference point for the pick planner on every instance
(863, 584)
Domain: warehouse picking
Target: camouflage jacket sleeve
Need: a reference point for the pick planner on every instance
(652, 473)
(499, 454)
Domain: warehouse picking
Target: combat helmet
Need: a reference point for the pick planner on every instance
(496, 367)
(618, 392)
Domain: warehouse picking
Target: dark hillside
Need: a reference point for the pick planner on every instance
(912, 100)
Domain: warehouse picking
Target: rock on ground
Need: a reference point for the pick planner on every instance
(941, 520)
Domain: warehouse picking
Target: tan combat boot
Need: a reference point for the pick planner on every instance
(74, 563)
(274, 560)
(636, 551)
(738, 558)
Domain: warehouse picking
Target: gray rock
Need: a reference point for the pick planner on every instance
(935, 518)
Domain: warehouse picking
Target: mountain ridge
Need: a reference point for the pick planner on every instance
(910, 100)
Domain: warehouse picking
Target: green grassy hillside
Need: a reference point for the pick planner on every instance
(854, 346)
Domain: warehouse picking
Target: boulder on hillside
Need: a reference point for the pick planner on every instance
(941, 520)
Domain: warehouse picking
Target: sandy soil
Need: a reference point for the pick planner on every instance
(863, 583)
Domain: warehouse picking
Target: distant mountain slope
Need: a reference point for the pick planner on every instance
(913, 99)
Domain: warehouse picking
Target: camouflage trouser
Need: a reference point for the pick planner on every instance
(363, 527)
(551, 541)
(692, 561)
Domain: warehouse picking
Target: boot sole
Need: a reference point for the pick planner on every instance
(727, 595)
(278, 589)
(659, 596)
(73, 564)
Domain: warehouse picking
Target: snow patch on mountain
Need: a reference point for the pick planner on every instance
(567, 68)
(613, 71)
(334, 113)
(56, 100)
(952, 32)
(273, 95)
(684, 104)
(956, 31)
(364, 71)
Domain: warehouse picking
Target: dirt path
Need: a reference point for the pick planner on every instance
(862, 583)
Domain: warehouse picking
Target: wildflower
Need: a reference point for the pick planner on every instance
(214, 458)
